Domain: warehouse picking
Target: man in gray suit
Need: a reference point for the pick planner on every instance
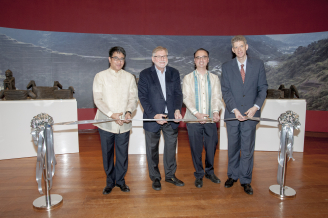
(244, 86)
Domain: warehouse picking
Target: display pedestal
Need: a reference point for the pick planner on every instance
(267, 133)
(137, 144)
(15, 117)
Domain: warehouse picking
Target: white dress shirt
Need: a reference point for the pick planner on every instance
(114, 92)
(161, 77)
(189, 99)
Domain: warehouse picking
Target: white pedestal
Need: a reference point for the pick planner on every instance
(267, 133)
(15, 118)
(137, 144)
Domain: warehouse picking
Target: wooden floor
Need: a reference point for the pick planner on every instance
(80, 179)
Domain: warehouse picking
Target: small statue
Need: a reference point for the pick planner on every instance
(64, 93)
(282, 93)
(10, 92)
(9, 82)
(37, 92)
(289, 93)
(44, 92)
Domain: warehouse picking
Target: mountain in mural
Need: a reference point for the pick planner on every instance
(307, 69)
(44, 66)
(74, 58)
(303, 39)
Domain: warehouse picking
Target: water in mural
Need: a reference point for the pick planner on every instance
(73, 59)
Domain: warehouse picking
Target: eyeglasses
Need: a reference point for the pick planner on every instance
(161, 57)
(118, 59)
(201, 57)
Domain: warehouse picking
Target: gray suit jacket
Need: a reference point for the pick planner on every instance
(243, 96)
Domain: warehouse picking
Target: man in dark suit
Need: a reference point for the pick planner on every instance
(244, 86)
(160, 95)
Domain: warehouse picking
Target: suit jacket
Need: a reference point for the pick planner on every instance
(243, 96)
(152, 99)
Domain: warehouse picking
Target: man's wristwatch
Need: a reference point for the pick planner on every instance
(128, 112)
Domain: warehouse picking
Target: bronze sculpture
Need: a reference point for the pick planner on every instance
(10, 92)
(38, 92)
(283, 93)
(9, 82)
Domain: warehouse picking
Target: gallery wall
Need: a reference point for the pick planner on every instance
(182, 18)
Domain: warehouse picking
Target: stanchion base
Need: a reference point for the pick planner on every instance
(40, 203)
(289, 192)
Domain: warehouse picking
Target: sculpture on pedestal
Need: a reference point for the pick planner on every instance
(10, 92)
(283, 93)
(38, 92)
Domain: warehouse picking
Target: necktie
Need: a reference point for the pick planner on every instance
(242, 72)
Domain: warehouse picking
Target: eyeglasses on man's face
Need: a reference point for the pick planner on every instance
(117, 59)
(161, 57)
(201, 57)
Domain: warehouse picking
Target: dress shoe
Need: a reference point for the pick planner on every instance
(107, 190)
(157, 185)
(199, 183)
(248, 188)
(213, 178)
(229, 183)
(174, 180)
(124, 187)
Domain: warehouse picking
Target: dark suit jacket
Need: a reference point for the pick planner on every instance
(152, 99)
(243, 96)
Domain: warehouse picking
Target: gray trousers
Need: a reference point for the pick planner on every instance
(241, 144)
(199, 135)
(115, 174)
(170, 145)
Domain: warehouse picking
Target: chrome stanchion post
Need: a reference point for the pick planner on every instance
(45, 170)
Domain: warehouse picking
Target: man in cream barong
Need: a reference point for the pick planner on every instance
(115, 95)
(203, 99)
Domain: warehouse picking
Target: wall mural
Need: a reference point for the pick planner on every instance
(73, 59)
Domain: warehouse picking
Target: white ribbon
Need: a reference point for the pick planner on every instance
(174, 120)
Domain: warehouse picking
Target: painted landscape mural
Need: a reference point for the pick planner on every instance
(73, 59)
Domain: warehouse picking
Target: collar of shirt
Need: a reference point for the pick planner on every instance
(239, 64)
(111, 71)
(161, 78)
(198, 74)
(160, 72)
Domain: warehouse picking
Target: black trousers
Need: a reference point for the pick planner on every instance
(169, 158)
(115, 175)
(199, 135)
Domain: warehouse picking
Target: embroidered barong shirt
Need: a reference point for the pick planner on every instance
(114, 92)
(208, 98)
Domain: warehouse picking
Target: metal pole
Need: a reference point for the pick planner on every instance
(284, 169)
(46, 181)
(281, 190)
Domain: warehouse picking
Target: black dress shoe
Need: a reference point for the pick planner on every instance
(124, 187)
(248, 188)
(174, 180)
(213, 178)
(157, 185)
(107, 190)
(199, 183)
(229, 183)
